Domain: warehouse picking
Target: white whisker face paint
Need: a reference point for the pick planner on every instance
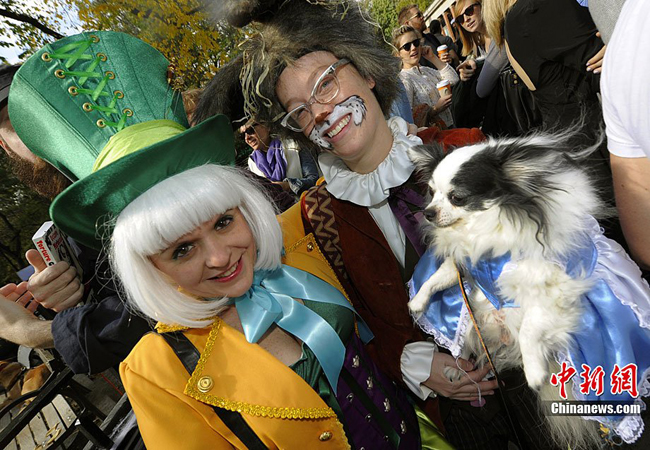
(353, 106)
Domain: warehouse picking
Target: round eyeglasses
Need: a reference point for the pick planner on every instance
(325, 90)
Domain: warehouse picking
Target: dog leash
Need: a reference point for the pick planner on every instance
(489, 357)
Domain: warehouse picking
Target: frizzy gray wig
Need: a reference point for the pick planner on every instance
(299, 27)
(171, 209)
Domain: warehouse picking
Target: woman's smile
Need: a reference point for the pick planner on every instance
(229, 274)
(352, 125)
(217, 259)
(336, 129)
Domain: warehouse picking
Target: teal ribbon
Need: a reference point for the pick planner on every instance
(271, 300)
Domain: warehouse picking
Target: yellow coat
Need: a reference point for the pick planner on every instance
(282, 409)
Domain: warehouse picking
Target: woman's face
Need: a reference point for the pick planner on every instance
(257, 137)
(214, 260)
(473, 22)
(346, 125)
(410, 57)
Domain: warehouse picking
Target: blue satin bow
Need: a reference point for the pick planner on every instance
(271, 300)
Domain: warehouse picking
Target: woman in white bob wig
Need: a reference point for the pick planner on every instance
(172, 209)
(201, 253)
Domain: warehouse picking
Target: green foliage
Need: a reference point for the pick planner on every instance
(179, 29)
(21, 213)
(385, 12)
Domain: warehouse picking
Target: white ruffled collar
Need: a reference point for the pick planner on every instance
(372, 188)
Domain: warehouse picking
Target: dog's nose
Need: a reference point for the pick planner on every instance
(430, 214)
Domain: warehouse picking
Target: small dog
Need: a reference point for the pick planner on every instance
(527, 199)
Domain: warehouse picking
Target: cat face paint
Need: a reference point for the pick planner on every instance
(352, 109)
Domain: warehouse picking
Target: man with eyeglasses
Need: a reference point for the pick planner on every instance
(412, 16)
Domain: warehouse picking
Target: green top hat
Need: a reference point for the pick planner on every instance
(98, 106)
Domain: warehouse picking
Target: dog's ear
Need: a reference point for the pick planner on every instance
(426, 157)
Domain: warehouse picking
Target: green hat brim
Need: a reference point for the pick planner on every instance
(82, 208)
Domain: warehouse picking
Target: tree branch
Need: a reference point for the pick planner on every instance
(30, 20)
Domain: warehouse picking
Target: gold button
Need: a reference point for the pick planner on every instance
(205, 384)
(355, 361)
(310, 246)
(386, 405)
(326, 436)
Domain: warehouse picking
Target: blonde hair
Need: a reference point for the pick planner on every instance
(401, 31)
(402, 16)
(494, 14)
(171, 209)
(471, 41)
(191, 99)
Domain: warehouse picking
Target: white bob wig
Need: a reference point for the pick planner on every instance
(168, 211)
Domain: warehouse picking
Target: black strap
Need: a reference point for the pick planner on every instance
(189, 356)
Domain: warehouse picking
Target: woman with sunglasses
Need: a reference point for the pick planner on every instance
(479, 100)
(473, 33)
(428, 105)
(282, 162)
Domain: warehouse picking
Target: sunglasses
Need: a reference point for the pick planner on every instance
(407, 46)
(418, 15)
(469, 11)
(250, 130)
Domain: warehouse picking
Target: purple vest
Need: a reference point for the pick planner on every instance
(377, 412)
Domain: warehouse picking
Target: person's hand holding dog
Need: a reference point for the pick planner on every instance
(464, 389)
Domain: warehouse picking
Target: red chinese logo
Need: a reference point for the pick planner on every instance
(592, 380)
(566, 373)
(624, 379)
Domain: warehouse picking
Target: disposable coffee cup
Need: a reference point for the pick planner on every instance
(444, 87)
(442, 51)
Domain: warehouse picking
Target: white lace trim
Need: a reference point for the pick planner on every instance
(371, 188)
(455, 344)
(612, 257)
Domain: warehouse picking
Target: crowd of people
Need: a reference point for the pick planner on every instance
(265, 306)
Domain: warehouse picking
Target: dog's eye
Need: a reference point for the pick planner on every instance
(456, 200)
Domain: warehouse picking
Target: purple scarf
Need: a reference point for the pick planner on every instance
(271, 163)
